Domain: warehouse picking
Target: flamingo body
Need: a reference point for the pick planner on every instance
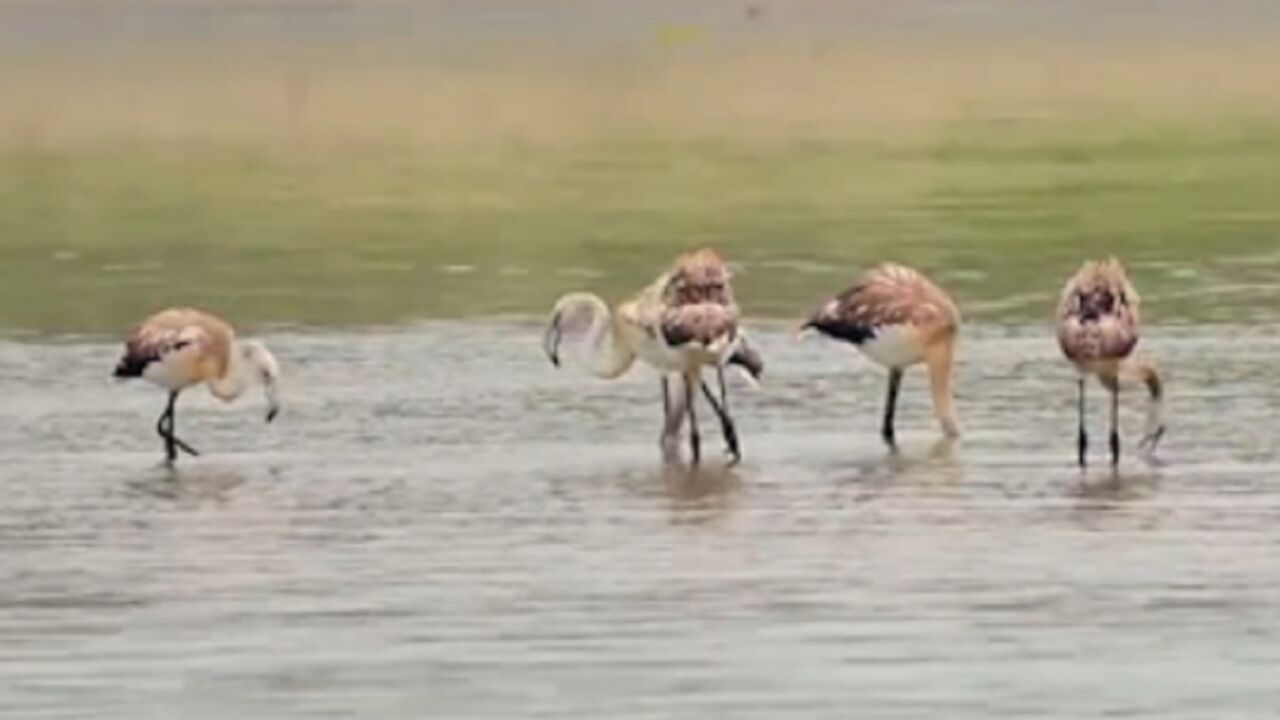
(1099, 324)
(684, 321)
(181, 347)
(897, 317)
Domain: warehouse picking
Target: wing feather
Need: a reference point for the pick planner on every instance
(1098, 313)
(201, 336)
(886, 295)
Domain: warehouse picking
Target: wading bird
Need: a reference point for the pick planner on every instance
(683, 321)
(897, 317)
(1098, 327)
(180, 347)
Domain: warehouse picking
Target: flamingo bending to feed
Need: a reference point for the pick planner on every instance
(898, 317)
(685, 320)
(181, 347)
(1098, 327)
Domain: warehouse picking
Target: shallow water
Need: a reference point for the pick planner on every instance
(441, 525)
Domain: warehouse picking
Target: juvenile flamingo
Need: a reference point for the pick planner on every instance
(897, 317)
(1098, 326)
(685, 320)
(180, 347)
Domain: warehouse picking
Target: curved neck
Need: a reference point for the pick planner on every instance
(939, 358)
(1145, 370)
(234, 379)
(610, 356)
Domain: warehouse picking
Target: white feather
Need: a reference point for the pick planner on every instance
(168, 372)
(892, 346)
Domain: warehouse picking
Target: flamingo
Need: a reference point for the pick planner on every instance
(898, 317)
(1098, 326)
(683, 321)
(180, 347)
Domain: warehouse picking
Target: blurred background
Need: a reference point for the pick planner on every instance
(341, 162)
(391, 194)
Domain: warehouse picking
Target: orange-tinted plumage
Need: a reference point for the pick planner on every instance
(685, 320)
(1098, 325)
(697, 303)
(203, 339)
(1098, 318)
(898, 317)
(180, 347)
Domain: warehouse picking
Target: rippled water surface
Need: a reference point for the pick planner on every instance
(441, 525)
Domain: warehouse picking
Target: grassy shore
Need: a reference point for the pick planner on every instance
(365, 188)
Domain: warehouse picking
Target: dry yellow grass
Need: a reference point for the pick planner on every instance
(882, 93)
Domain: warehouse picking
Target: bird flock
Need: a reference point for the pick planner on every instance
(687, 323)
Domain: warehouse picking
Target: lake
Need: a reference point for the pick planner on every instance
(441, 524)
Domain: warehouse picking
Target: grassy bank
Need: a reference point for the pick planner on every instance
(364, 190)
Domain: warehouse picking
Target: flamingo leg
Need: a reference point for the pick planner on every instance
(890, 405)
(1115, 426)
(672, 418)
(165, 428)
(724, 390)
(1082, 439)
(730, 428)
(666, 401)
(695, 439)
(721, 409)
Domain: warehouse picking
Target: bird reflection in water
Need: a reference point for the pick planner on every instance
(698, 482)
(934, 464)
(1111, 484)
(189, 487)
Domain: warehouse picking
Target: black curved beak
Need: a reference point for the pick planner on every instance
(551, 340)
(128, 367)
(273, 400)
(748, 359)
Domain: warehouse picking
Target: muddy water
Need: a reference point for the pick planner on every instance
(441, 525)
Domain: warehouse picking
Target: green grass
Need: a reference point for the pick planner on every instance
(94, 235)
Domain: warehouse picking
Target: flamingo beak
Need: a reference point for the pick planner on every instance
(551, 341)
(273, 400)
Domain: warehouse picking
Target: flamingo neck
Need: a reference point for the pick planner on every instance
(940, 362)
(1146, 371)
(234, 380)
(610, 356)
